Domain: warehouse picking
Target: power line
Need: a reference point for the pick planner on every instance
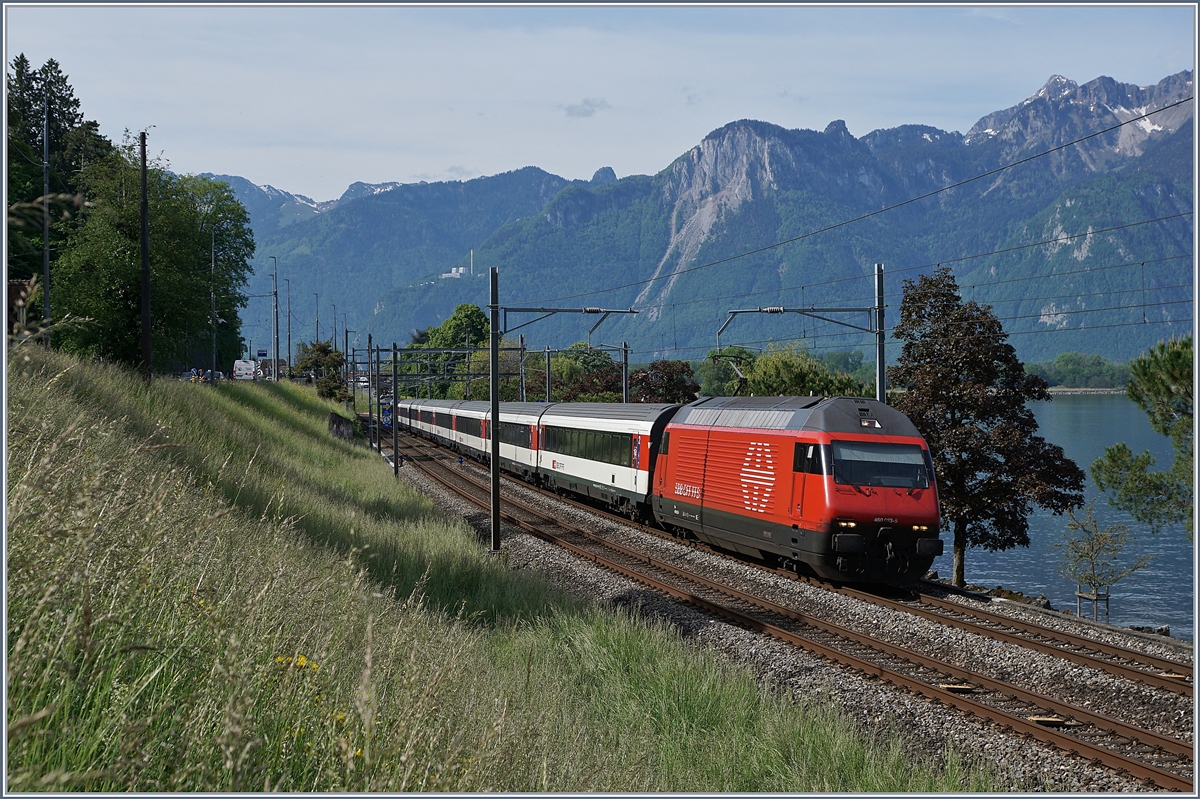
(870, 214)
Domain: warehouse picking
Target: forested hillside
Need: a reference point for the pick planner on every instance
(1072, 247)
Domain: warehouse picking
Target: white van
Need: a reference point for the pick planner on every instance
(245, 370)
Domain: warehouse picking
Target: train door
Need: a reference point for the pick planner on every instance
(801, 462)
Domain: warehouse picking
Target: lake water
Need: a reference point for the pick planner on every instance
(1163, 592)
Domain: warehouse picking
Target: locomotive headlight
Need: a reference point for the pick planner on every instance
(847, 524)
(920, 528)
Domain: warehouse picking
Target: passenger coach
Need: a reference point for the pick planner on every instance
(602, 450)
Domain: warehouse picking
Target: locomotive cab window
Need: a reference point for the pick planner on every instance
(868, 463)
(810, 458)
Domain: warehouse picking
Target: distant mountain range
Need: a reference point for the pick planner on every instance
(697, 239)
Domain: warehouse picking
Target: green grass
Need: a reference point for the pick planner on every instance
(206, 591)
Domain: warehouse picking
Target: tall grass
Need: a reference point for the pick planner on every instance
(206, 591)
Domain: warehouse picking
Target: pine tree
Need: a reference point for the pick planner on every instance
(966, 391)
(1161, 383)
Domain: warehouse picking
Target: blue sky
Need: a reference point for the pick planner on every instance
(312, 98)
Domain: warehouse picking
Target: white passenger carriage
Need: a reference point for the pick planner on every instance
(470, 427)
(432, 419)
(519, 437)
(601, 450)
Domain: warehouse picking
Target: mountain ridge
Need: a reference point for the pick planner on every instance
(745, 186)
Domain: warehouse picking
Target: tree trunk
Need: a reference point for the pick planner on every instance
(960, 553)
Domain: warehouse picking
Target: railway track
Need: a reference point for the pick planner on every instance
(1159, 672)
(1161, 760)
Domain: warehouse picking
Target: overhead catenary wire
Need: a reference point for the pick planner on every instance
(870, 214)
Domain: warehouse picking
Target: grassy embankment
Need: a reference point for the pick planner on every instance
(208, 592)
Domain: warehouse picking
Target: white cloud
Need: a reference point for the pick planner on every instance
(587, 108)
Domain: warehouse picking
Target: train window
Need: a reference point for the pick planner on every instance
(877, 464)
(666, 441)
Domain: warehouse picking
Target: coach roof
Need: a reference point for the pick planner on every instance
(828, 414)
(614, 411)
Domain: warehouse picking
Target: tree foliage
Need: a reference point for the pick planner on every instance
(73, 144)
(599, 385)
(1091, 553)
(791, 371)
(663, 381)
(588, 358)
(200, 246)
(1160, 382)
(967, 393)
(1081, 370)
(322, 360)
(718, 375)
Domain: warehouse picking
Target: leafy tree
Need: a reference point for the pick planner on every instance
(321, 359)
(967, 393)
(663, 381)
(200, 245)
(792, 371)
(600, 385)
(586, 356)
(73, 143)
(1160, 382)
(1090, 553)
(1080, 370)
(477, 372)
(468, 326)
(717, 375)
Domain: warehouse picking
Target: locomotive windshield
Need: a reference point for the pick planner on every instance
(867, 463)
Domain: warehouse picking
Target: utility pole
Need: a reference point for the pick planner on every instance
(395, 426)
(378, 407)
(547, 373)
(370, 382)
(625, 372)
(275, 307)
(333, 338)
(317, 312)
(146, 354)
(494, 424)
(46, 213)
(289, 324)
(880, 336)
(213, 293)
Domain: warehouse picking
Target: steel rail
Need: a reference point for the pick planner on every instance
(1172, 684)
(1069, 639)
(1065, 742)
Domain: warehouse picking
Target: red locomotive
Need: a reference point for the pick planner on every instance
(842, 485)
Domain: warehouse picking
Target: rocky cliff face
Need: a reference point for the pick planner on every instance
(747, 160)
(1062, 111)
